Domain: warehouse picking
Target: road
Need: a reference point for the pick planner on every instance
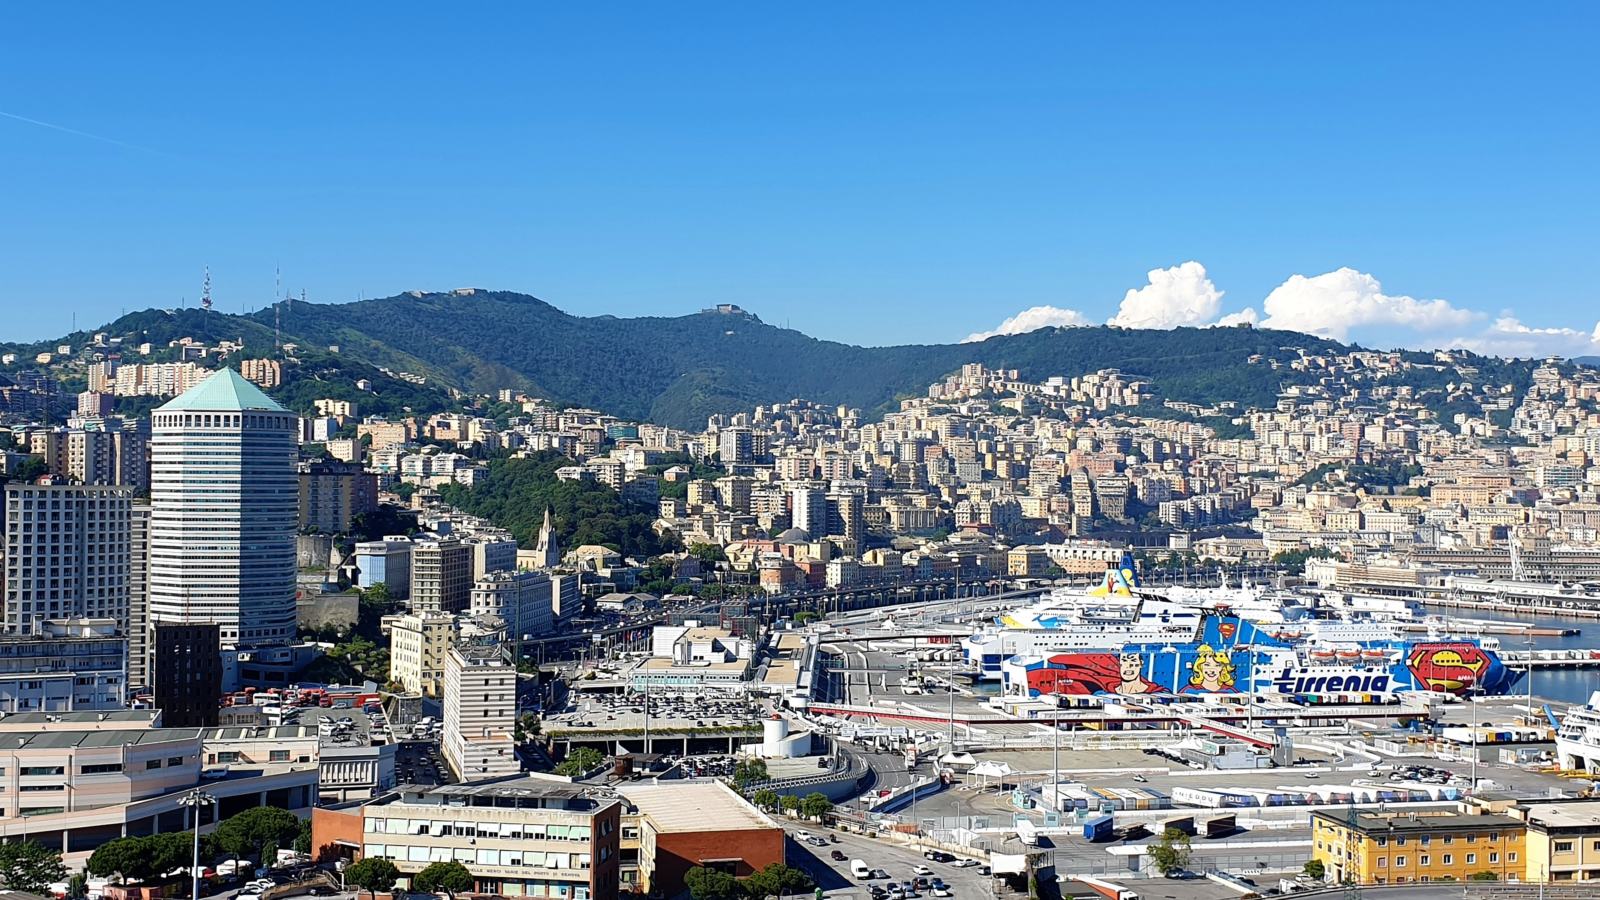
(895, 859)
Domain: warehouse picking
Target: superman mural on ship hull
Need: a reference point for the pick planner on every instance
(1224, 665)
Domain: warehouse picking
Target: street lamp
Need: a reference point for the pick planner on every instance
(195, 799)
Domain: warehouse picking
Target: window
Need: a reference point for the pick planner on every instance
(1383, 862)
(1563, 846)
(1400, 842)
(102, 768)
(1449, 840)
(43, 770)
(1511, 857)
(1494, 857)
(1472, 858)
(152, 764)
(1449, 859)
(1383, 842)
(174, 760)
(1399, 861)
(1424, 860)
(228, 756)
(278, 756)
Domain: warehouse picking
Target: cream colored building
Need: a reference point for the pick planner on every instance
(480, 713)
(418, 643)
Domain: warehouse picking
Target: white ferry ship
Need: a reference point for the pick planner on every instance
(1578, 738)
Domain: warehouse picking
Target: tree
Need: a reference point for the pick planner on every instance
(1170, 852)
(141, 858)
(1314, 869)
(372, 874)
(749, 771)
(776, 880)
(805, 617)
(711, 884)
(256, 832)
(1483, 876)
(581, 761)
(789, 802)
(815, 805)
(77, 886)
(302, 839)
(30, 866)
(766, 798)
(450, 877)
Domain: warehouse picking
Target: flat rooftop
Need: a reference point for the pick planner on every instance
(1582, 814)
(507, 793)
(66, 739)
(688, 806)
(1403, 823)
(110, 718)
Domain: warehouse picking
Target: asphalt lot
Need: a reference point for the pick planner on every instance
(895, 859)
(419, 762)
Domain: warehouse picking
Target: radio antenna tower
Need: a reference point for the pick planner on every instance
(205, 293)
(277, 306)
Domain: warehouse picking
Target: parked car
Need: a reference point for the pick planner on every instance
(838, 856)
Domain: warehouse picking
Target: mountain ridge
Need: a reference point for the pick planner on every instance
(676, 370)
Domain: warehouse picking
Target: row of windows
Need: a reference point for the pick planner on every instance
(468, 856)
(1447, 859)
(513, 830)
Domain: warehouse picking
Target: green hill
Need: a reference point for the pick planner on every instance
(677, 370)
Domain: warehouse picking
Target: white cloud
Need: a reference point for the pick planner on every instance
(1181, 295)
(1509, 337)
(1246, 316)
(1033, 319)
(1333, 303)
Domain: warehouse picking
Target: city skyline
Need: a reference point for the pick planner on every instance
(916, 178)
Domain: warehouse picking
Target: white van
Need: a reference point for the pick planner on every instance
(859, 870)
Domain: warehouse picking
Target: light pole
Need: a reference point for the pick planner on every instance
(195, 800)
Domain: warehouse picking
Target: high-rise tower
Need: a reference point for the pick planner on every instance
(224, 497)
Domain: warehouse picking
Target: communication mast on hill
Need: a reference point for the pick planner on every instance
(205, 293)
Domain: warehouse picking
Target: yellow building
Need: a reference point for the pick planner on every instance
(1563, 840)
(1405, 848)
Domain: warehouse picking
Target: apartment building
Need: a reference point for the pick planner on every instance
(480, 712)
(67, 554)
(526, 837)
(1374, 847)
(418, 645)
(522, 600)
(441, 575)
(333, 494)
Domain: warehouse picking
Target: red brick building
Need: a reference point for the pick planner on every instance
(684, 825)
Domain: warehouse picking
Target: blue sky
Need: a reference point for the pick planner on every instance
(872, 173)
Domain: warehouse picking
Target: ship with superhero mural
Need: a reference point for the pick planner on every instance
(1232, 656)
(1120, 639)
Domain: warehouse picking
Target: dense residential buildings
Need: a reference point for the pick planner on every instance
(224, 496)
(441, 574)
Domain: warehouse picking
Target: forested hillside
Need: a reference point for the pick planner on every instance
(517, 491)
(678, 370)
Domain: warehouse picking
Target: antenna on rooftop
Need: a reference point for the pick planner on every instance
(205, 294)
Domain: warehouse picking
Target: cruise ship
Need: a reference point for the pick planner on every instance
(1578, 738)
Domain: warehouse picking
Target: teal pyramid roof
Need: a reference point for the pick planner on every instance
(226, 391)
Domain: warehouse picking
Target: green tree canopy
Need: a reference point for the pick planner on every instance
(372, 874)
(30, 866)
(711, 884)
(749, 771)
(1169, 852)
(451, 877)
(580, 761)
(815, 805)
(255, 831)
(775, 880)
